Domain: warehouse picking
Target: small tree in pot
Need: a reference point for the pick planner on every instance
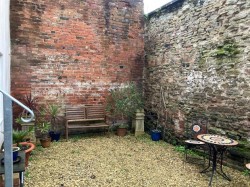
(122, 104)
(42, 125)
(53, 112)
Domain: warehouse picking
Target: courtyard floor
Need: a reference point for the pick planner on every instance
(103, 161)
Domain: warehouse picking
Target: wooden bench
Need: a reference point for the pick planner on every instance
(85, 117)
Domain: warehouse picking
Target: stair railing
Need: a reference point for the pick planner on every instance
(8, 127)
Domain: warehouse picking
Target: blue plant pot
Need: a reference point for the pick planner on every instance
(54, 135)
(15, 152)
(155, 135)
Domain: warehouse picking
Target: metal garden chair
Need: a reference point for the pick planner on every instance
(198, 126)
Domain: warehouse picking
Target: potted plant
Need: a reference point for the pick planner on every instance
(43, 125)
(20, 135)
(45, 139)
(31, 103)
(155, 134)
(122, 129)
(19, 139)
(153, 125)
(122, 104)
(27, 130)
(53, 112)
(15, 151)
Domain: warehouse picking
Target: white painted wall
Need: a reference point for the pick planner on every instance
(4, 56)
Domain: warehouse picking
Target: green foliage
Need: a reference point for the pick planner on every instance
(18, 120)
(18, 136)
(179, 148)
(76, 138)
(44, 127)
(42, 123)
(39, 148)
(52, 111)
(246, 172)
(27, 174)
(124, 101)
(193, 152)
(31, 103)
(75, 152)
(151, 121)
(228, 49)
(115, 126)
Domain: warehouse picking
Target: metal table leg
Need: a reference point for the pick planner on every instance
(21, 177)
(213, 153)
(209, 161)
(221, 162)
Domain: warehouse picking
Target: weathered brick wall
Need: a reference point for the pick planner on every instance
(72, 52)
(198, 59)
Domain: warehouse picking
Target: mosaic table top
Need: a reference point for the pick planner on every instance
(217, 139)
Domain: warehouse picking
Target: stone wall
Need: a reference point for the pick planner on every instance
(72, 52)
(198, 63)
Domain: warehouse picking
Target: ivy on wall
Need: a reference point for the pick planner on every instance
(222, 53)
(227, 49)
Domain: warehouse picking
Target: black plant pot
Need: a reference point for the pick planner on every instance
(54, 135)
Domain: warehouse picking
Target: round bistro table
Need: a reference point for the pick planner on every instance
(217, 145)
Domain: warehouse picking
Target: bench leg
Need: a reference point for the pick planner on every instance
(66, 131)
(108, 132)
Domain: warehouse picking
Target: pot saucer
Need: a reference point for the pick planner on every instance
(14, 162)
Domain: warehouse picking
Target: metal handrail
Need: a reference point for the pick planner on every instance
(8, 156)
(22, 105)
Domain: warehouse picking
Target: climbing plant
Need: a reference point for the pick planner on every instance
(227, 49)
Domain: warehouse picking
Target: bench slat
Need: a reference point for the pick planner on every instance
(75, 113)
(95, 112)
(82, 120)
(88, 126)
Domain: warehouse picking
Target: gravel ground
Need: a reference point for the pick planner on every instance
(118, 162)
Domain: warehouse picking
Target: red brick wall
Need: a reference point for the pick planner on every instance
(72, 52)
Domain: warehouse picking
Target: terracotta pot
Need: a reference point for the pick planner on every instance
(45, 142)
(121, 131)
(27, 151)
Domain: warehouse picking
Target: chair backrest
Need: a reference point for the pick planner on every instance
(199, 126)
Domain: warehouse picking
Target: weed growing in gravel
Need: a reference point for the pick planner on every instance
(75, 152)
(181, 149)
(75, 138)
(143, 138)
(27, 174)
(39, 148)
(246, 172)
(31, 158)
